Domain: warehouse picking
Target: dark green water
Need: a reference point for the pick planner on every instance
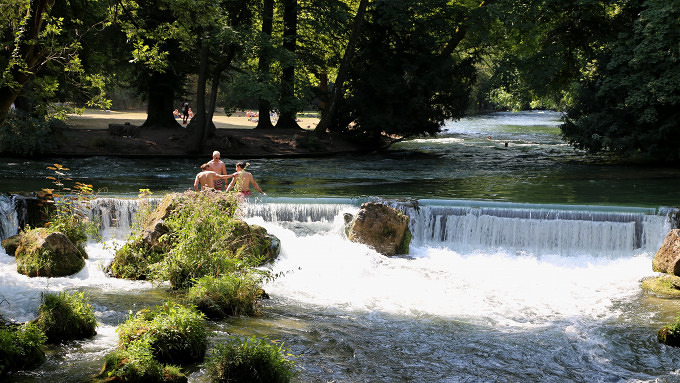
(468, 161)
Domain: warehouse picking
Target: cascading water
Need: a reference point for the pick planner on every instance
(9, 219)
(518, 270)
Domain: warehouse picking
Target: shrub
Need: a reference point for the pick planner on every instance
(20, 346)
(133, 259)
(136, 364)
(229, 294)
(249, 360)
(24, 135)
(175, 333)
(207, 240)
(65, 316)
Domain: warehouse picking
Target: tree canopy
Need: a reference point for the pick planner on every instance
(373, 68)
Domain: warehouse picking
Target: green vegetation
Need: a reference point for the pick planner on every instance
(65, 316)
(202, 236)
(230, 294)
(69, 214)
(20, 346)
(169, 333)
(670, 335)
(250, 360)
(665, 285)
(23, 135)
(137, 364)
(394, 67)
(175, 333)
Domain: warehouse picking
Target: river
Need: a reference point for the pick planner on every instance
(525, 264)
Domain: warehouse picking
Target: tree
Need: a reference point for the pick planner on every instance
(288, 106)
(629, 102)
(409, 73)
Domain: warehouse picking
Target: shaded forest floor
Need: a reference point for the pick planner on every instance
(88, 135)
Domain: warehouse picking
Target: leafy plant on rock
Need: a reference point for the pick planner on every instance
(176, 333)
(20, 346)
(66, 316)
(250, 360)
(229, 294)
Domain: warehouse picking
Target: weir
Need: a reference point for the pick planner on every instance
(462, 226)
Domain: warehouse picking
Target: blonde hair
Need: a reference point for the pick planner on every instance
(216, 153)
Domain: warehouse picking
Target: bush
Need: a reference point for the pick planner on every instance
(133, 259)
(207, 240)
(230, 294)
(175, 333)
(136, 363)
(20, 346)
(24, 135)
(65, 316)
(249, 360)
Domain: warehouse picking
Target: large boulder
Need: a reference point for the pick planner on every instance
(667, 259)
(42, 253)
(381, 227)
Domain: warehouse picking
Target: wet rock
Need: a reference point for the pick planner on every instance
(381, 227)
(667, 259)
(47, 254)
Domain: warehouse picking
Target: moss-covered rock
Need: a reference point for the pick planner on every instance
(137, 364)
(191, 235)
(10, 244)
(42, 253)
(66, 316)
(666, 286)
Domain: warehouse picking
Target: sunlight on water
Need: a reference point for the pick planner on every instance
(497, 287)
(22, 293)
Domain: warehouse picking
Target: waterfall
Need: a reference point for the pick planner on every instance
(9, 218)
(463, 226)
(538, 229)
(116, 215)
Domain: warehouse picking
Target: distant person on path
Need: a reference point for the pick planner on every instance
(218, 167)
(185, 112)
(205, 180)
(242, 181)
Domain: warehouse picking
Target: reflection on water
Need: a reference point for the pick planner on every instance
(469, 160)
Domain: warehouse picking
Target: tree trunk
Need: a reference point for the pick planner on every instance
(160, 105)
(287, 103)
(199, 127)
(27, 56)
(264, 106)
(329, 118)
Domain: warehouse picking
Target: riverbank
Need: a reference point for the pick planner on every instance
(236, 137)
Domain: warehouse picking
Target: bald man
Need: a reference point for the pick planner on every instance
(205, 180)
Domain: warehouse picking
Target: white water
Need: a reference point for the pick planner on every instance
(496, 287)
(356, 296)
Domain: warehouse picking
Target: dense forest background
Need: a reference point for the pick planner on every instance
(371, 67)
